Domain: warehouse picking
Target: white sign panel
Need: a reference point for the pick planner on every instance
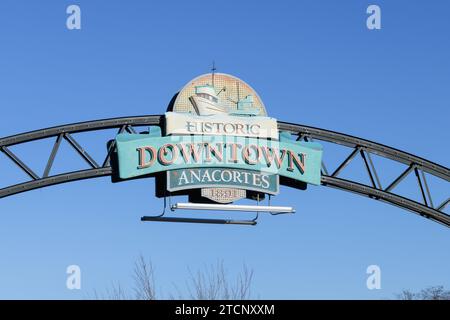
(185, 123)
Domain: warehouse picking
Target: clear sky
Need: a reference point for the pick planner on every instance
(312, 62)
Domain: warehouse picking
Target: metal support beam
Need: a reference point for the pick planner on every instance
(424, 179)
(346, 162)
(80, 150)
(55, 148)
(111, 148)
(324, 169)
(300, 137)
(387, 197)
(368, 168)
(374, 170)
(130, 129)
(54, 180)
(198, 220)
(19, 163)
(370, 146)
(420, 186)
(400, 178)
(443, 205)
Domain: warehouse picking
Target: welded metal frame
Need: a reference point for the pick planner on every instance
(360, 147)
(199, 220)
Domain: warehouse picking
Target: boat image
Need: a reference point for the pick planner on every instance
(206, 102)
(245, 107)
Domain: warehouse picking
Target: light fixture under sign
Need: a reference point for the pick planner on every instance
(232, 207)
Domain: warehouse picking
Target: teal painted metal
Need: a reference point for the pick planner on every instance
(192, 178)
(141, 154)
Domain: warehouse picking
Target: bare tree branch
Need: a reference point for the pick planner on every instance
(213, 283)
(210, 283)
(144, 280)
(430, 293)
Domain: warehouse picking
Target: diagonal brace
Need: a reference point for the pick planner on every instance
(443, 205)
(19, 163)
(81, 151)
(55, 149)
(400, 178)
(346, 161)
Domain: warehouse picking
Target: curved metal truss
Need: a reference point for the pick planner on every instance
(359, 148)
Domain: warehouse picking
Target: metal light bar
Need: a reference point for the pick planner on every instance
(195, 220)
(232, 207)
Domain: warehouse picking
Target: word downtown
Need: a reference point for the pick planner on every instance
(221, 154)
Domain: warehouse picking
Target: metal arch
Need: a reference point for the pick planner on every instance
(370, 146)
(81, 127)
(361, 147)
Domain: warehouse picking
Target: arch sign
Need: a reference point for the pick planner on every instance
(218, 142)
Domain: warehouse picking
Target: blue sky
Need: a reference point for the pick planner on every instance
(312, 62)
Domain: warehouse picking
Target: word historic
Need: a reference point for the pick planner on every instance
(262, 127)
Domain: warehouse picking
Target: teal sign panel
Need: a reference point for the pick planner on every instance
(192, 178)
(141, 154)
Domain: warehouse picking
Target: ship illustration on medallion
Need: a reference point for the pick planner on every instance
(206, 102)
(218, 94)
